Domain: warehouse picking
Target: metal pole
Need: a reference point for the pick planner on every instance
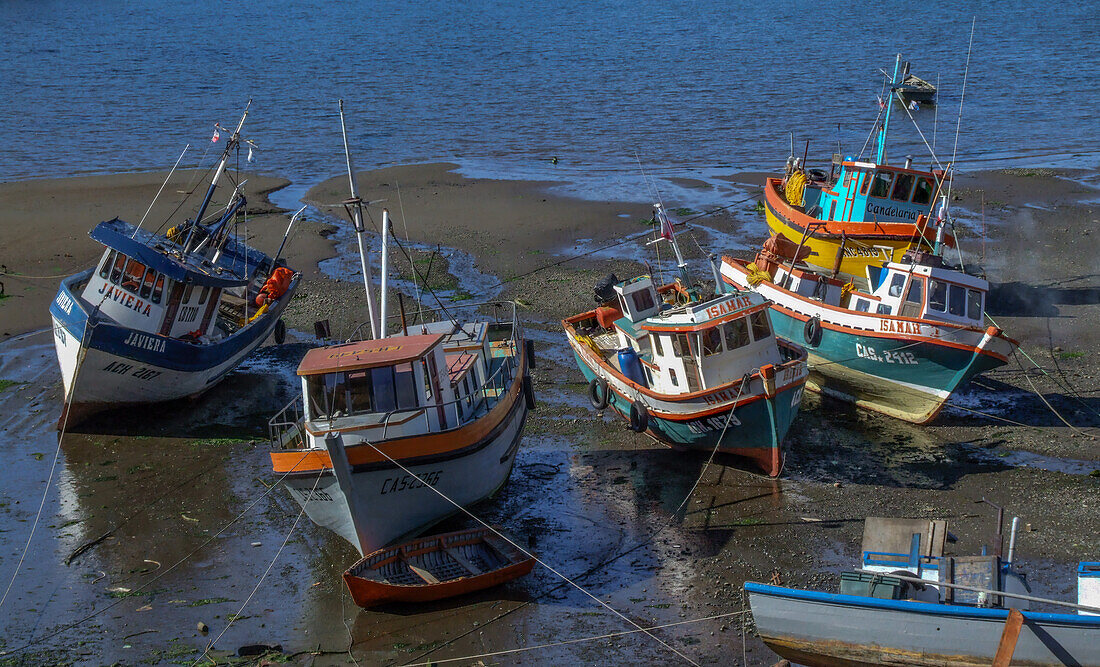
(385, 272)
(880, 155)
(1012, 537)
(357, 220)
(229, 145)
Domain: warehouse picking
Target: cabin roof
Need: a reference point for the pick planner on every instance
(166, 257)
(367, 354)
(698, 317)
(458, 365)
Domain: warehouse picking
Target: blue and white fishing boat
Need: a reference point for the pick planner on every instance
(162, 317)
(911, 609)
(692, 372)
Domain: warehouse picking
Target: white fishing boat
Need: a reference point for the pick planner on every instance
(166, 316)
(382, 424)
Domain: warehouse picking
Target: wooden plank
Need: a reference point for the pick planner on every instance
(473, 569)
(1011, 633)
(424, 574)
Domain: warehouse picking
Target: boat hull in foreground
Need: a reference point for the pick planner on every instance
(824, 629)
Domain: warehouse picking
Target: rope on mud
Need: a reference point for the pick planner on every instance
(81, 351)
(566, 642)
(608, 561)
(629, 238)
(532, 556)
(263, 576)
(163, 573)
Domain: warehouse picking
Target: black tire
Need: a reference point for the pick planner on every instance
(639, 417)
(598, 394)
(812, 332)
(528, 393)
(529, 350)
(280, 332)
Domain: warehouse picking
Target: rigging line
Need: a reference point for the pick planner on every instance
(598, 566)
(630, 237)
(156, 196)
(163, 572)
(405, 224)
(922, 138)
(270, 565)
(186, 195)
(962, 97)
(529, 554)
(80, 354)
(417, 274)
(935, 113)
(579, 640)
(874, 126)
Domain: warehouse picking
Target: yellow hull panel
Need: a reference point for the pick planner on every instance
(858, 253)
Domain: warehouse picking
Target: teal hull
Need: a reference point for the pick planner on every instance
(757, 430)
(899, 377)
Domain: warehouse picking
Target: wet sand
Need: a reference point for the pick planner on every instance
(594, 500)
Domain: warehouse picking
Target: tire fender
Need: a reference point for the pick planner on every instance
(598, 393)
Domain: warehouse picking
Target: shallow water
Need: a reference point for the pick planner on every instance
(684, 90)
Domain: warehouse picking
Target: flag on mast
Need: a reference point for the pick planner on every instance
(214, 139)
(666, 227)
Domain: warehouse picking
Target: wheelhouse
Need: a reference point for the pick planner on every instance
(869, 192)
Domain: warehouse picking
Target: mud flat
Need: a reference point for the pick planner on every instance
(608, 509)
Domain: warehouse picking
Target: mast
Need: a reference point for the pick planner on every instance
(355, 209)
(669, 234)
(385, 272)
(230, 144)
(880, 155)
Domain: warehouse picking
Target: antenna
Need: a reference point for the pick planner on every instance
(354, 207)
(962, 97)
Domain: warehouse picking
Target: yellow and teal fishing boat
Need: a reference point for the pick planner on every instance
(860, 213)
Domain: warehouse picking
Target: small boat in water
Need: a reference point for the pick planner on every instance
(905, 607)
(435, 568)
(862, 214)
(692, 371)
(166, 316)
(914, 89)
(899, 343)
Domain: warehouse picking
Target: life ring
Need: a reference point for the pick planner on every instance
(528, 393)
(812, 332)
(280, 332)
(639, 416)
(598, 393)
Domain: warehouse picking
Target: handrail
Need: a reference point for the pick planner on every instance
(356, 333)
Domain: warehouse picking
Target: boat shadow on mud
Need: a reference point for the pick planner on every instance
(1022, 300)
(988, 401)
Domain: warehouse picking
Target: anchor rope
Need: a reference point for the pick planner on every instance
(531, 555)
(234, 617)
(566, 642)
(162, 573)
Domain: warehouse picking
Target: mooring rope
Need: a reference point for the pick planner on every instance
(531, 555)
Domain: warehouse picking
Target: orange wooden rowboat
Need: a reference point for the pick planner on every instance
(435, 568)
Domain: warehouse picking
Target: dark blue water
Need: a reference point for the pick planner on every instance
(703, 87)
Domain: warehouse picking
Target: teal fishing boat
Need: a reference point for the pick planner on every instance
(692, 371)
(900, 343)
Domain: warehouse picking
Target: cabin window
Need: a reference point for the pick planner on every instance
(326, 395)
(383, 385)
(884, 309)
(131, 278)
(862, 305)
(832, 210)
(737, 333)
(644, 346)
(937, 295)
(864, 183)
(359, 392)
(427, 378)
(847, 178)
(116, 268)
(657, 349)
(957, 304)
(107, 264)
(158, 289)
(916, 291)
(881, 185)
(187, 293)
(680, 345)
(648, 375)
(643, 300)
(760, 328)
(973, 304)
(147, 284)
(203, 294)
(902, 186)
(923, 193)
(672, 376)
(406, 387)
(712, 341)
(896, 284)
